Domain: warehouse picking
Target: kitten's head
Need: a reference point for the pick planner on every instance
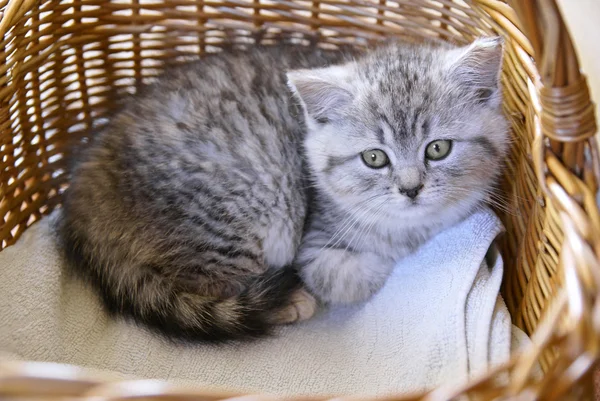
(407, 132)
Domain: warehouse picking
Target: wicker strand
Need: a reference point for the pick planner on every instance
(568, 112)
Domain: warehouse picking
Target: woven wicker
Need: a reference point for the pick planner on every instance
(63, 62)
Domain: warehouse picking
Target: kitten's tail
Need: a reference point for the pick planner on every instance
(182, 314)
(173, 305)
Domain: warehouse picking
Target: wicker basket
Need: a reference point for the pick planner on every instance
(63, 62)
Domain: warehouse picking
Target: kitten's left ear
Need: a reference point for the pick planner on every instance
(479, 66)
(322, 91)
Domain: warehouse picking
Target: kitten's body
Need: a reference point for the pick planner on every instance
(187, 211)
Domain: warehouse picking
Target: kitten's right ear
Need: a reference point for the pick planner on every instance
(321, 91)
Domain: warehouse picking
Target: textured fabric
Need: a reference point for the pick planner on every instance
(439, 319)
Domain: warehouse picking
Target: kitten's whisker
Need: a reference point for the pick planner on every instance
(499, 204)
(350, 221)
(512, 195)
(364, 233)
(359, 232)
(348, 227)
(356, 221)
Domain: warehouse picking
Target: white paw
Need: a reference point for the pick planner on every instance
(302, 307)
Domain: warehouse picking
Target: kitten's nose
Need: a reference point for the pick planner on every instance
(412, 192)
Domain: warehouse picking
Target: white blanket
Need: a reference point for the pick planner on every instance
(438, 320)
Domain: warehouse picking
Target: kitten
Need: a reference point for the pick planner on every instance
(187, 211)
(400, 145)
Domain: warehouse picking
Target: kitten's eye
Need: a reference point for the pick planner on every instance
(375, 158)
(437, 150)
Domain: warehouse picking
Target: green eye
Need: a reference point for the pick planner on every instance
(437, 150)
(375, 158)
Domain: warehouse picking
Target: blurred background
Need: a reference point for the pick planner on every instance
(582, 19)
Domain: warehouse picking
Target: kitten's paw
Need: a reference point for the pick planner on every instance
(302, 307)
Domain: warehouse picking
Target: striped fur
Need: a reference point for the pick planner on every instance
(186, 211)
(398, 98)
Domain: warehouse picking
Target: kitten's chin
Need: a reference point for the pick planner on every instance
(422, 213)
(412, 212)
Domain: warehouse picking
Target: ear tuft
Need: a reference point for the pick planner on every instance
(321, 91)
(478, 65)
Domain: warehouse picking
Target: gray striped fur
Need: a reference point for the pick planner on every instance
(398, 98)
(187, 211)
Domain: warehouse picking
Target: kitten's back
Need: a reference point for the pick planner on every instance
(187, 209)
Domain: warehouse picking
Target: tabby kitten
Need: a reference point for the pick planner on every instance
(400, 144)
(187, 211)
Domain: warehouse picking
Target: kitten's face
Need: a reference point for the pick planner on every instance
(407, 134)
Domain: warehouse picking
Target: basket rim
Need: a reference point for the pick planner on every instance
(560, 96)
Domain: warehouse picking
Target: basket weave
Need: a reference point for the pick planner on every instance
(63, 62)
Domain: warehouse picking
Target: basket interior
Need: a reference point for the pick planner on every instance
(65, 62)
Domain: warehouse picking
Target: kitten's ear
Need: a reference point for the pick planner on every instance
(479, 66)
(321, 91)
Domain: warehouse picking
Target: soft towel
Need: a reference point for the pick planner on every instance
(439, 319)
